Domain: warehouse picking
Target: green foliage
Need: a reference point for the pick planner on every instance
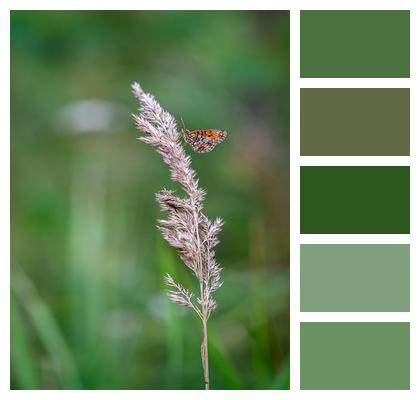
(88, 308)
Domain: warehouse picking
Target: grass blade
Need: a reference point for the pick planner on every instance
(26, 372)
(46, 328)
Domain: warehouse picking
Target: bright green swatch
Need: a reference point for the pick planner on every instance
(363, 200)
(355, 355)
(355, 277)
(355, 44)
(355, 122)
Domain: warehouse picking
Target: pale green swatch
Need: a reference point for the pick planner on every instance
(355, 277)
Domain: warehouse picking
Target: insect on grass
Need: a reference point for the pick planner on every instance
(203, 140)
(186, 228)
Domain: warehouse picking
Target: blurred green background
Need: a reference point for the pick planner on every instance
(88, 306)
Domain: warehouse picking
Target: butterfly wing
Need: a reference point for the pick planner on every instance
(189, 136)
(203, 141)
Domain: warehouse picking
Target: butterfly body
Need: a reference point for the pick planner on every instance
(204, 140)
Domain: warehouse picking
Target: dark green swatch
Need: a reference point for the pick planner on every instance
(355, 44)
(355, 122)
(355, 355)
(355, 200)
(355, 277)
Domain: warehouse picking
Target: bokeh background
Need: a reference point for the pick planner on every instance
(88, 306)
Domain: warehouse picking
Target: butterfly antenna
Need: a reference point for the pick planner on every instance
(183, 130)
(183, 124)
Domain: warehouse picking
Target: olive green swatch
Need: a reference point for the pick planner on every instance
(355, 277)
(361, 200)
(355, 355)
(355, 44)
(355, 122)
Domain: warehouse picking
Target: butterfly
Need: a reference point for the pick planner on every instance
(203, 141)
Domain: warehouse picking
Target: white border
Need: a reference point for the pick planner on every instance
(354, 316)
(294, 6)
(354, 160)
(354, 83)
(294, 199)
(5, 202)
(354, 239)
(414, 199)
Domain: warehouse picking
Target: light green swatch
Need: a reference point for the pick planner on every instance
(355, 277)
(355, 355)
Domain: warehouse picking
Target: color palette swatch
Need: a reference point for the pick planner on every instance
(355, 200)
(355, 122)
(355, 44)
(355, 355)
(352, 124)
(355, 278)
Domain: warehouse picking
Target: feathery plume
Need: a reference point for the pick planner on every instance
(186, 228)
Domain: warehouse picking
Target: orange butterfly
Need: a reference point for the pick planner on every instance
(203, 141)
